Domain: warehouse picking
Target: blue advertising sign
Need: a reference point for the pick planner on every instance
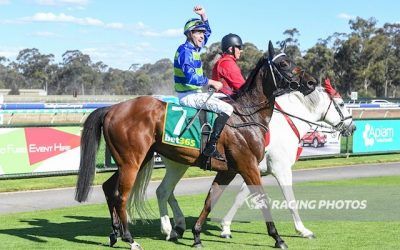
(376, 136)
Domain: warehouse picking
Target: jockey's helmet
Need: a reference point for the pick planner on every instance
(193, 24)
(231, 40)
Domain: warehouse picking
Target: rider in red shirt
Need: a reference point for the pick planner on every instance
(226, 69)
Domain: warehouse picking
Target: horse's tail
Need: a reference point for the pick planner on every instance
(90, 141)
(137, 200)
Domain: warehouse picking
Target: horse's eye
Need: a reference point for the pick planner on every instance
(284, 64)
(341, 104)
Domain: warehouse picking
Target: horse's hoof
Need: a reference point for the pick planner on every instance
(173, 239)
(310, 237)
(305, 233)
(226, 236)
(173, 236)
(197, 245)
(281, 245)
(112, 239)
(136, 246)
(179, 231)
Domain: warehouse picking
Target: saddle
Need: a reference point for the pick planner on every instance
(196, 136)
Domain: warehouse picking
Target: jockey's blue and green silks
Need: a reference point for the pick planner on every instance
(188, 70)
(176, 119)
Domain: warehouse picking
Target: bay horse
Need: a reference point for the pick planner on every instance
(133, 132)
(294, 115)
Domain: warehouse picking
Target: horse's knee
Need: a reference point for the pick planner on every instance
(121, 201)
(161, 193)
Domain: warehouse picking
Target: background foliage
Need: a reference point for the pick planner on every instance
(365, 60)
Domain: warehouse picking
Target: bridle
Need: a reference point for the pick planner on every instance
(339, 127)
(286, 81)
(289, 84)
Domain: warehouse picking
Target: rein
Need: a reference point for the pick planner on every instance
(302, 119)
(332, 129)
(246, 124)
(340, 125)
(247, 107)
(291, 86)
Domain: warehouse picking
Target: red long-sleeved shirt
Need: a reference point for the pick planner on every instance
(228, 72)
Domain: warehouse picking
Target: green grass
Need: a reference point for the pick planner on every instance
(352, 160)
(39, 183)
(87, 227)
(365, 181)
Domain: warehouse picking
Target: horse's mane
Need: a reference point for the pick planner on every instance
(249, 84)
(312, 100)
(246, 100)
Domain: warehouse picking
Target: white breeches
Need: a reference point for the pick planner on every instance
(196, 100)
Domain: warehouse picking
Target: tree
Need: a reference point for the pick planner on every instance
(247, 61)
(3, 71)
(292, 44)
(113, 82)
(392, 62)
(210, 57)
(249, 58)
(34, 67)
(76, 73)
(319, 61)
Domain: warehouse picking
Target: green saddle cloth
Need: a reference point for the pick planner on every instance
(176, 119)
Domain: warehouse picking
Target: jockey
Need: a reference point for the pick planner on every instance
(226, 69)
(189, 79)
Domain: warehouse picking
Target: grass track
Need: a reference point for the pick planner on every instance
(158, 174)
(87, 227)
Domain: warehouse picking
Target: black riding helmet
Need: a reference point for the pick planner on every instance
(231, 40)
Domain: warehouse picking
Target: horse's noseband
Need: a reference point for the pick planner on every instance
(340, 126)
(285, 76)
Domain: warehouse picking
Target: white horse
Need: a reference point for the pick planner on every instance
(287, 126)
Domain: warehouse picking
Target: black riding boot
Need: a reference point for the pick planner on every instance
(211, 148)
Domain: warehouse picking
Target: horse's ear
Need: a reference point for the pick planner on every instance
(284, 47)
(271, 50)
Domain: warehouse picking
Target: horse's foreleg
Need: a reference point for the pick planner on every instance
(174, 172)
(253, 180)
(227, 220)
(110, 191)
(284, 178)
(222, 178)
(179, 218)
